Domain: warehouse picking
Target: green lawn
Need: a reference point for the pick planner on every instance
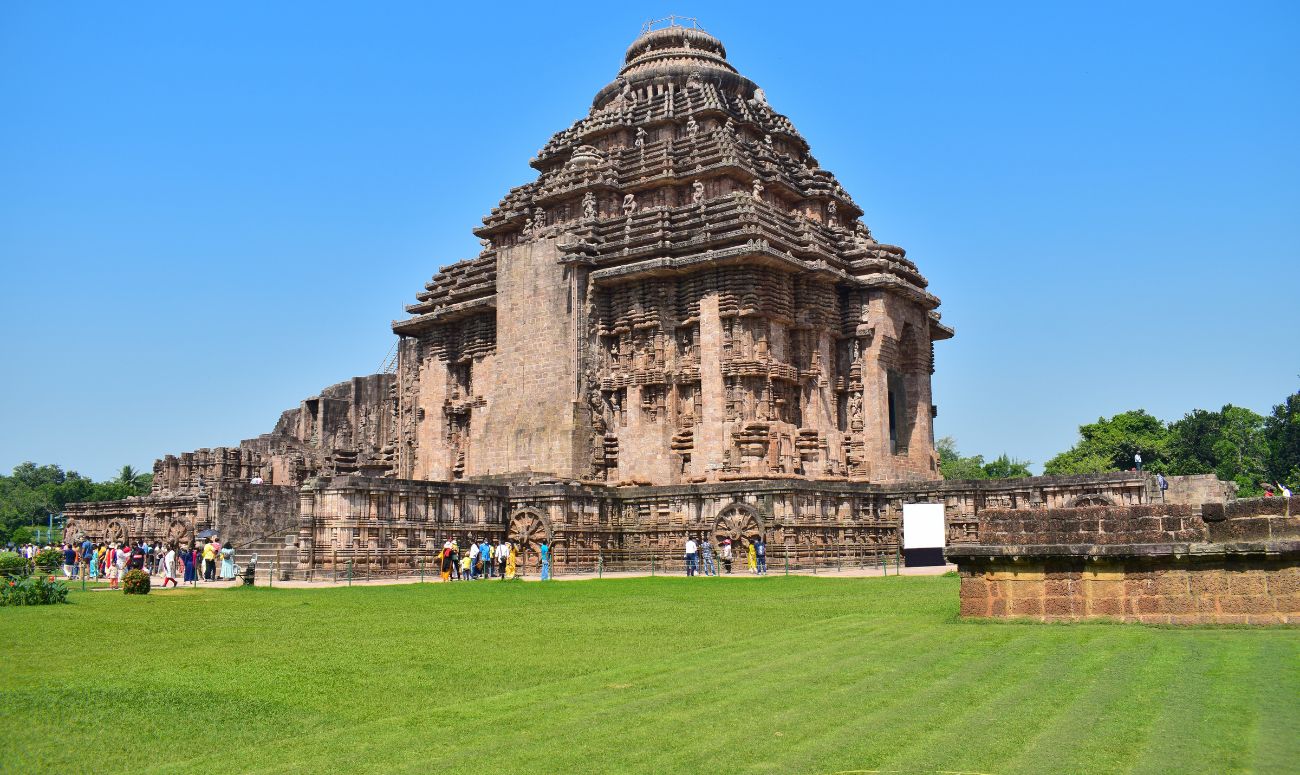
(781, 675)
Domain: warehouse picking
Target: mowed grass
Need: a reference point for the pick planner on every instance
(780, 675)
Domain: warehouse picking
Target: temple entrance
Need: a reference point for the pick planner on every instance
(527, 530)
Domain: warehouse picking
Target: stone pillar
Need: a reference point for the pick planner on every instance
(710, 437)
(306, 524)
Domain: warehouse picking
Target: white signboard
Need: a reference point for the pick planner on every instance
(923, 526)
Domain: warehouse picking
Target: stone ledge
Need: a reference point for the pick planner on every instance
(973, 552)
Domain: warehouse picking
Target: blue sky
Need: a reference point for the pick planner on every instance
(211, 211)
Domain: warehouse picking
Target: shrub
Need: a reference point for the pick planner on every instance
(135, 582)
(12, 564)
(35, 590)
(48, 559)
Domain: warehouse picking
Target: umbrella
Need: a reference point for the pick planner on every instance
(207, 534)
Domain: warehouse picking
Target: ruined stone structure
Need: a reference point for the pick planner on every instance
(1233, 563)
(681, 326)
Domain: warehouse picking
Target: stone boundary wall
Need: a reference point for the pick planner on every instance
(1233, 563)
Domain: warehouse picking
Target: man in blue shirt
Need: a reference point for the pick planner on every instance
(485, 557)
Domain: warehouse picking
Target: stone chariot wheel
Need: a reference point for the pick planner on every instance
(741, 524)
(527, 531)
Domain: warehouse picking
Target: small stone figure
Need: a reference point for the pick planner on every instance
(692, 127)
(697, 192)
(486, 244)
(528, 229)
(758, 189)
(539, 218)
(760, 97)
(640, 137)
(589, 207)
(832, 213)
(629, 205)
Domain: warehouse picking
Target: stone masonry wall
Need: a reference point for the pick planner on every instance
(1229, 563)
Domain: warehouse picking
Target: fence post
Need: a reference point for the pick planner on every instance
(349, 573)
(600, 565)
(787, 560)
(271, 579)
(652, 562)
(422, 569)
(897, 569)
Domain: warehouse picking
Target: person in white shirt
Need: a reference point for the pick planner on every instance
(473, 558)
(691, 550)
(502, 553)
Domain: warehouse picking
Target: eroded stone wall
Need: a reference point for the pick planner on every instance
(1233, 562)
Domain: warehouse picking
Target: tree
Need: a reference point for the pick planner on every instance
(133, 480)
(1110, 444)
(1282, 438)
(1005, 467)
(954, 466)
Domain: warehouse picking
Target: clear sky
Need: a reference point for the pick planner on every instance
(210, 211)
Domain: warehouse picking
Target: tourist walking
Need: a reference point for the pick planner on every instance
(512, 561)
(706, 557)
(228, 561)
(444, 567)
(169, 567)
(96, 557)
(504, 551)
(485, 557)
(545, 552)
(121, 557)
(466, 568)
(473, 559)
(726, 555)
(208, 555)
(187, 559)
(751, 558)
(69, 561)
(691, 549)
(1137, 461)
(760, 554)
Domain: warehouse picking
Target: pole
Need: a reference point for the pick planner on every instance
(600, 565)
(422, 569)
(652, 562)
(349, 573)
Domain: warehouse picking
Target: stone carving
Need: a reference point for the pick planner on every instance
(629, 205)
(640, 137)
(757, 189)
(692, 127)
(589, 207)
(697, 192)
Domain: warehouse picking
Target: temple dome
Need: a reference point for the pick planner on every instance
(673, 48)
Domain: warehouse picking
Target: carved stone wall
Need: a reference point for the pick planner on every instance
(682, 295)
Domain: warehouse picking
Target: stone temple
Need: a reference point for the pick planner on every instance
(681, 326)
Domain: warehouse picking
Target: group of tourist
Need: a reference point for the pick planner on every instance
(110, 561)
(486, 560)
(700, 556)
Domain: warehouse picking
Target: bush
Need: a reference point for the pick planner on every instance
(48, 559)
(36, 590)
(135, 582)
(12, 564)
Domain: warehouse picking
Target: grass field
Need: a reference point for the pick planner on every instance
(782, 675)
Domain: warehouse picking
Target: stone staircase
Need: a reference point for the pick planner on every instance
(265, 548)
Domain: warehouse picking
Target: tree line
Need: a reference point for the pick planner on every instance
(32, 493)
(1233, 443)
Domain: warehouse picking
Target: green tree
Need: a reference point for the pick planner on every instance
(1282, 437)
(1110, 444)
(954, 466)
(1004, 467)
